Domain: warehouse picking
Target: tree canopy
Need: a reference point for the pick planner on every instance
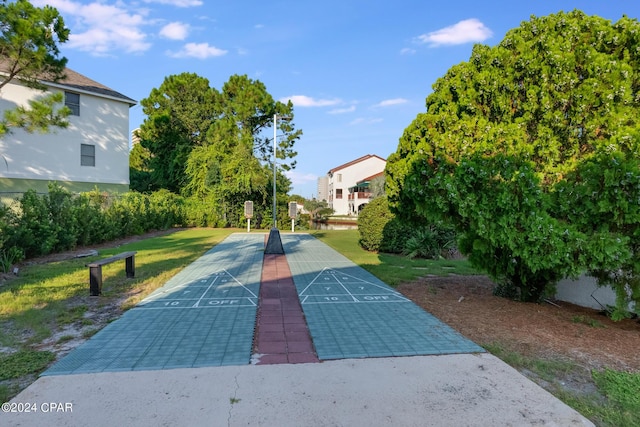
(318, 209)
(531, 149)
(29, 51)
(211, 143)
(179, 114)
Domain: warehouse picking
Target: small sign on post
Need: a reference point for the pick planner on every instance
(293, 213)
(248, 213)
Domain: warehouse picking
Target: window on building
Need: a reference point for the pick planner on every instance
(339, 193)
(72, 100)
(339, 177)
(87, 155)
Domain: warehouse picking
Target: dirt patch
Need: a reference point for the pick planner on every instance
(553, 331)
(579, 337)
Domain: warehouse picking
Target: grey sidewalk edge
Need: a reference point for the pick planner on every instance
(455, 390)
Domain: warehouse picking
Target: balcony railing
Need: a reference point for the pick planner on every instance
(360, 195)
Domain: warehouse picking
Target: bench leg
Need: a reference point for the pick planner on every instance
(95, 281)
(130, 266)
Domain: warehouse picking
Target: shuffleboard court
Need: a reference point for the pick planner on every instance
(216, 290)
(203, 316)
(353, 314)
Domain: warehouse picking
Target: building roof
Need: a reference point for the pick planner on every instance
(75, 80)
(364, 183)
(369, 178)
(353, 162)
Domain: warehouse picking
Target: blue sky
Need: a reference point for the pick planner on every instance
(357, 71)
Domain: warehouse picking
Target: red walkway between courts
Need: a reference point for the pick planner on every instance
(281, 334)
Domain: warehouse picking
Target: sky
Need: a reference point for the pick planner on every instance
(357, 71)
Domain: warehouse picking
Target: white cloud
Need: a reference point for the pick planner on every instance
(197, 50)
(306, 101)
(177, 3)
(100, 28)
(350, 109)
(300, 178)
(391, 102)
(175, 31)
(365, 121)
(407, 51)
(467, 31)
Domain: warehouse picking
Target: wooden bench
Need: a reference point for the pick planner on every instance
(95, 270)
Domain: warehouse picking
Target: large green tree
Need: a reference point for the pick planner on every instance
(217, 144)
(179, 114)
(531, 148)
(29, 52)
(238, 144)
(318, 209)
(139, 172)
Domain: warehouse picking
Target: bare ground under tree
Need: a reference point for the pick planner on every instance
(553, 332)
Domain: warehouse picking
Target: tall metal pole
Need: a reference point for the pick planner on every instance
(275, 120)
(274, 244)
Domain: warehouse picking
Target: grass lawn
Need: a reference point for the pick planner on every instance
(391, 269)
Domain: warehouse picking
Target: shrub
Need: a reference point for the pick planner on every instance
(431, 242)
(129, 213)
(93, 225)
(9, 253)
(380, 230)
(371, 222)
(34, 232)
(201, 212)
(6, 224)
(395, 235)
(60, 220)
(168, 209)
(64, 225)
(9, 257)
(303, 221)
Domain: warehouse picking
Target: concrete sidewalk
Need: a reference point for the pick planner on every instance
(456, 390)
(183, 356)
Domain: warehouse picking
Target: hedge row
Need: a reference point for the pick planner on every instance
(57, 221)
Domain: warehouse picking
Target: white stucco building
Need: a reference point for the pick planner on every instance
(92, 151)
(343, 193)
